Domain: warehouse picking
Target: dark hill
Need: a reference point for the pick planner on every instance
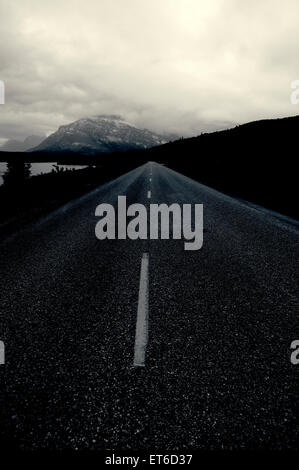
(255, 161)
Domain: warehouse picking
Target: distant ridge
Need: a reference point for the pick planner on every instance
(100, 134)
(256, 161)
(21, 146)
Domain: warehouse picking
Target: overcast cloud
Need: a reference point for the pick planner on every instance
(183, 66)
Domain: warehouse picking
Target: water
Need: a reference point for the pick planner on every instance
(39, 168)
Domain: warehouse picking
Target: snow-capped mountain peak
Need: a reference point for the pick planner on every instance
(100, 134)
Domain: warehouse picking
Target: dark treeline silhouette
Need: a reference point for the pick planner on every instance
(255, 161)
(24, 199)
(17, 172)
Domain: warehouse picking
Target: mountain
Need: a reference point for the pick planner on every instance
(100, 134)
(13, 145)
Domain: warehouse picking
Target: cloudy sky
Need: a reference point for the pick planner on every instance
(181, 66)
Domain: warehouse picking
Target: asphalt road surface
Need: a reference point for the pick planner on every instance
(217, 371)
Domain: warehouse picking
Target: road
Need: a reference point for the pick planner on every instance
(217, 371)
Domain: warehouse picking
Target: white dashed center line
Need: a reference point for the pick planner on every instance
(141, 335)
(149, 194)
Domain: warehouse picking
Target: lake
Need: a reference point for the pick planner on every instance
(39, 168)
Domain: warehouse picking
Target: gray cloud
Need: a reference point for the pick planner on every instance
(182, 66)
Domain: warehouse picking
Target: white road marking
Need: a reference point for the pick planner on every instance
(149, 194)
(141, 335)
(150, 179)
